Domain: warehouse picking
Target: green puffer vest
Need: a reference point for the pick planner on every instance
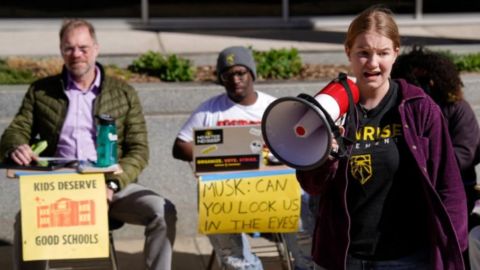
(43, 112)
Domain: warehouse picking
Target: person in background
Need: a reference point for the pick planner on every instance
(61, 109)
(397, 200)
(438, 76)
(239, 105)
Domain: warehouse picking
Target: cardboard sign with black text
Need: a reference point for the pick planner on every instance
(64, 216)
(251, 201)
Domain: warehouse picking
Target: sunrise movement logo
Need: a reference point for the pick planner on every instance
(361, 167)
(230, 59)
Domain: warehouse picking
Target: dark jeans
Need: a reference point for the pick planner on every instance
(417, 261)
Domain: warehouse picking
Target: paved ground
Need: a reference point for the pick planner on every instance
(190, 253)
(123, 39)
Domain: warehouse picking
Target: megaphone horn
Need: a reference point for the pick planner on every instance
(297, 130)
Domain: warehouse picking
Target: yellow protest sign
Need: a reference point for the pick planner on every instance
(64, 216)
(253, 201)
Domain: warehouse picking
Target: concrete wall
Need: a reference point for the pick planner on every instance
(166, 106)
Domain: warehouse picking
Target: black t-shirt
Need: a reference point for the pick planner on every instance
(384, 195)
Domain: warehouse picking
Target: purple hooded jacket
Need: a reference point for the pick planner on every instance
(427, 136)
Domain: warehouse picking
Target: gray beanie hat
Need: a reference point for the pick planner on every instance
(234, 56)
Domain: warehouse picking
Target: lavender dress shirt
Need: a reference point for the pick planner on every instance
(78, 135)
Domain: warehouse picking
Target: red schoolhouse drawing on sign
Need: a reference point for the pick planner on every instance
(65, 213)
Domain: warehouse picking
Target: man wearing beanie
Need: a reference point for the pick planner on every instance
(239, 105)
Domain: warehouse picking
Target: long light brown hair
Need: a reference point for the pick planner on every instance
(376, 18)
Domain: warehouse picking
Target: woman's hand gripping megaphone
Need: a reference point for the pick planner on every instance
(337, 145)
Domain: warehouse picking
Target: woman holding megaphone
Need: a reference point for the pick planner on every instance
(396, 200)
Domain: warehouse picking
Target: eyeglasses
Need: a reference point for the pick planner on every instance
(68, 50)
(229, 76)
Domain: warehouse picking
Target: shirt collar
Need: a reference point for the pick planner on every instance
(71, 85)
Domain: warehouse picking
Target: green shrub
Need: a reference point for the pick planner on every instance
(464, 62)
(171, 68)
(9, 75)
(468, 62)
(278, 64)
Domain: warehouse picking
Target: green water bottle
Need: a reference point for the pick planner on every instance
(106, 141)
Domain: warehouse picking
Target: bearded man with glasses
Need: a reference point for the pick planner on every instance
(61, 109)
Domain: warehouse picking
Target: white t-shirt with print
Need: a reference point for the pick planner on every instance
(220, 110)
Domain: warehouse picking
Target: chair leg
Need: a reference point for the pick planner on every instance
(211, 260)
(283, 251)
(113, 253)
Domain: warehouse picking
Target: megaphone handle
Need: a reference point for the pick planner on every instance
(343, 141)
(342, 146)
(342, 77)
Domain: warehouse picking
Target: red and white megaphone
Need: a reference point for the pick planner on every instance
(298, 130)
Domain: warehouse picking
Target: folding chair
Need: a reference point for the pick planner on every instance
(279, 246)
